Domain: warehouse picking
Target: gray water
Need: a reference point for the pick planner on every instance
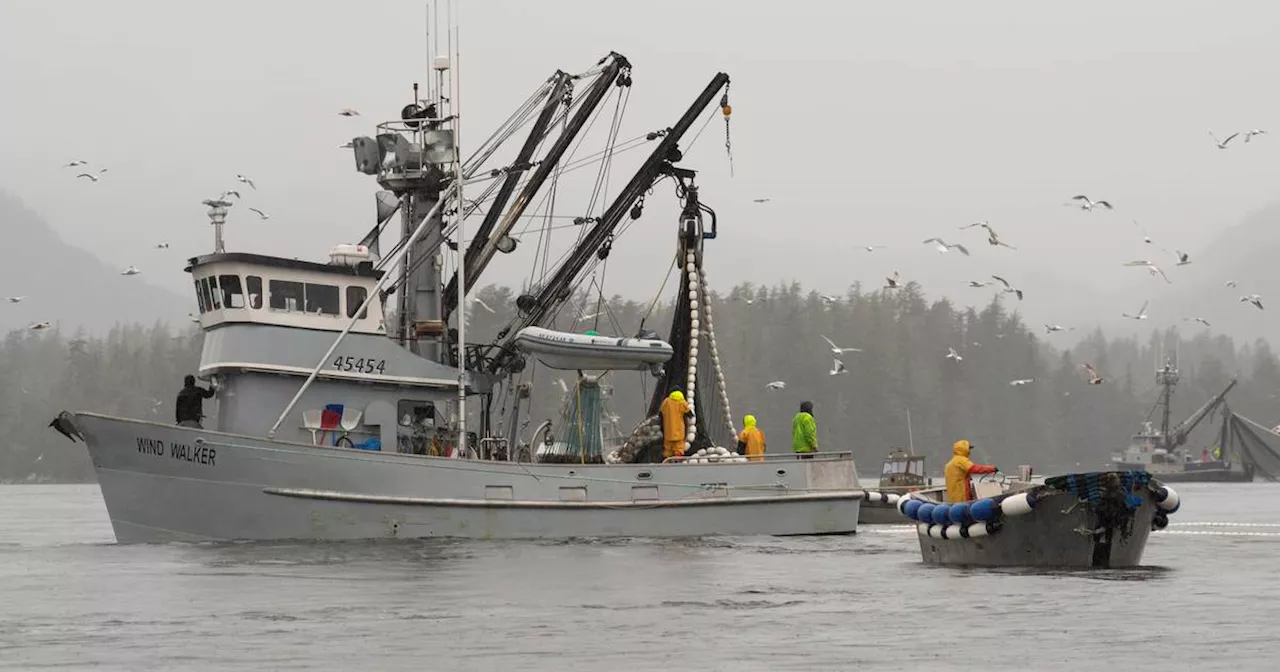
(1208, 599)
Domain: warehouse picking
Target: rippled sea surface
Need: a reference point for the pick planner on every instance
(1207, 599)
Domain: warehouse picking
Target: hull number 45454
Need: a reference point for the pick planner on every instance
(360, 364)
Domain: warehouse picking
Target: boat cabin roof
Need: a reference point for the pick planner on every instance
(239, 287)
(901, 463)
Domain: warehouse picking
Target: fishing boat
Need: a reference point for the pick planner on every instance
(1096, 520)
(901, 473)
(1163, 450)
(342, 387)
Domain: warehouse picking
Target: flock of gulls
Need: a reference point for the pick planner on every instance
(95, 176)
(1080, 201)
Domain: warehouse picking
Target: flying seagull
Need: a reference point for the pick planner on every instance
(873, 248)
(1088, 205)
(1094, 378)
(943, 246)
(1254, 299)
(476, 300)
(262, 215)
(229, 192)
(1141, 315)
(1201, 320)
(1229, 283)
(764, 199)
(1050, 328)
(837, 350)
(347, 145)
(132, 270)
(77, 162)
(16, 299)
(894, 281)
(828, 299)
(776, 385)
(1250, 134)
(92, 178)
(244, 179)
(1150, 266)
(979, 284)
(952, 354)
(348, 112)
(1145, 238)
(1222, 144)
(1008, 288)
(837, 368)
(1022, 381)
(1183, 257)
(992, 238)
(37, 326)
(162, 246)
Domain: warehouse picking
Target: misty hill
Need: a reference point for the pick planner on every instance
(69, 286)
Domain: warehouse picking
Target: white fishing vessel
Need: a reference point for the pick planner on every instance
(335, 420)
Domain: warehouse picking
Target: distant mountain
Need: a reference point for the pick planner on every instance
(68, 286)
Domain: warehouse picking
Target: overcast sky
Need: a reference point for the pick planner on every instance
(866, 123)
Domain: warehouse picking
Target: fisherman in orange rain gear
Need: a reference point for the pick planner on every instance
(957, 471)
(673, 410)
(751, 440)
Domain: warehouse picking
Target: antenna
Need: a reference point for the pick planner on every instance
(911, 443)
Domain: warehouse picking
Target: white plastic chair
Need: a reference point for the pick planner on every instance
(311, 421)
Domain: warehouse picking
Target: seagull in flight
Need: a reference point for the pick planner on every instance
(979, 284)
(261, 215)
(348, 112)
(1088, 205)
(828, 299)
(1254, 299)
(776, 385)
(77, 162)
(1183, 257)
(1022, 381)
(229, 192)
(476, 300)
(1229, 283)
(1250, 134)
(764, 199)
(1050, 328)
(1008, 288)
(132, 270)
(873, 248)
(1094, 378)
(37, 326)
(93, 178)
(894, 281)
(162, 246)
(1222, 144)
(1150, 266)
(837, 350)
(952, 354)
(244, 179)
(1145, 238)
(1142, 313)
(1201, 320)
(837, 368)
(16, 299)
(347, 145)
(992, 238)
(943, 246)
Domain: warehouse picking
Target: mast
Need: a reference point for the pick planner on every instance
(1166, 377)
(535, 306)
(456, 95)
(486, 242)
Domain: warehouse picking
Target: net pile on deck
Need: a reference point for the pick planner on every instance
(1111, 494)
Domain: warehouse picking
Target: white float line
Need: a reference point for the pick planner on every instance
(1209, 524)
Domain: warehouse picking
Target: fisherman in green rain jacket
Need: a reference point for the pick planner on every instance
(804, 432)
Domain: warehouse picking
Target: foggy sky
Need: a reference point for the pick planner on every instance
(866, 123)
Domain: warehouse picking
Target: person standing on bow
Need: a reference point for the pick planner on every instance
(751, 440)
(959, 488)
(804, 432)
(189, 407)
(673, 411)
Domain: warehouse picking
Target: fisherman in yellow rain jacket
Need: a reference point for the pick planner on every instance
(751, 440)
(957, 471)
(673, 410)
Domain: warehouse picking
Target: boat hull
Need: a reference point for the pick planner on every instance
(879, 513)
(1196, 473)
(165, 483)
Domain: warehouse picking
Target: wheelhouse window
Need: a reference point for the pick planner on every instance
(253, 284)
(285, 295)
(213, 292)
(322, 299)
(201, 300)
(232, 294)
(355, 298)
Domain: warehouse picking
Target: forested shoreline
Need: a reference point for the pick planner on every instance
(764, 334)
